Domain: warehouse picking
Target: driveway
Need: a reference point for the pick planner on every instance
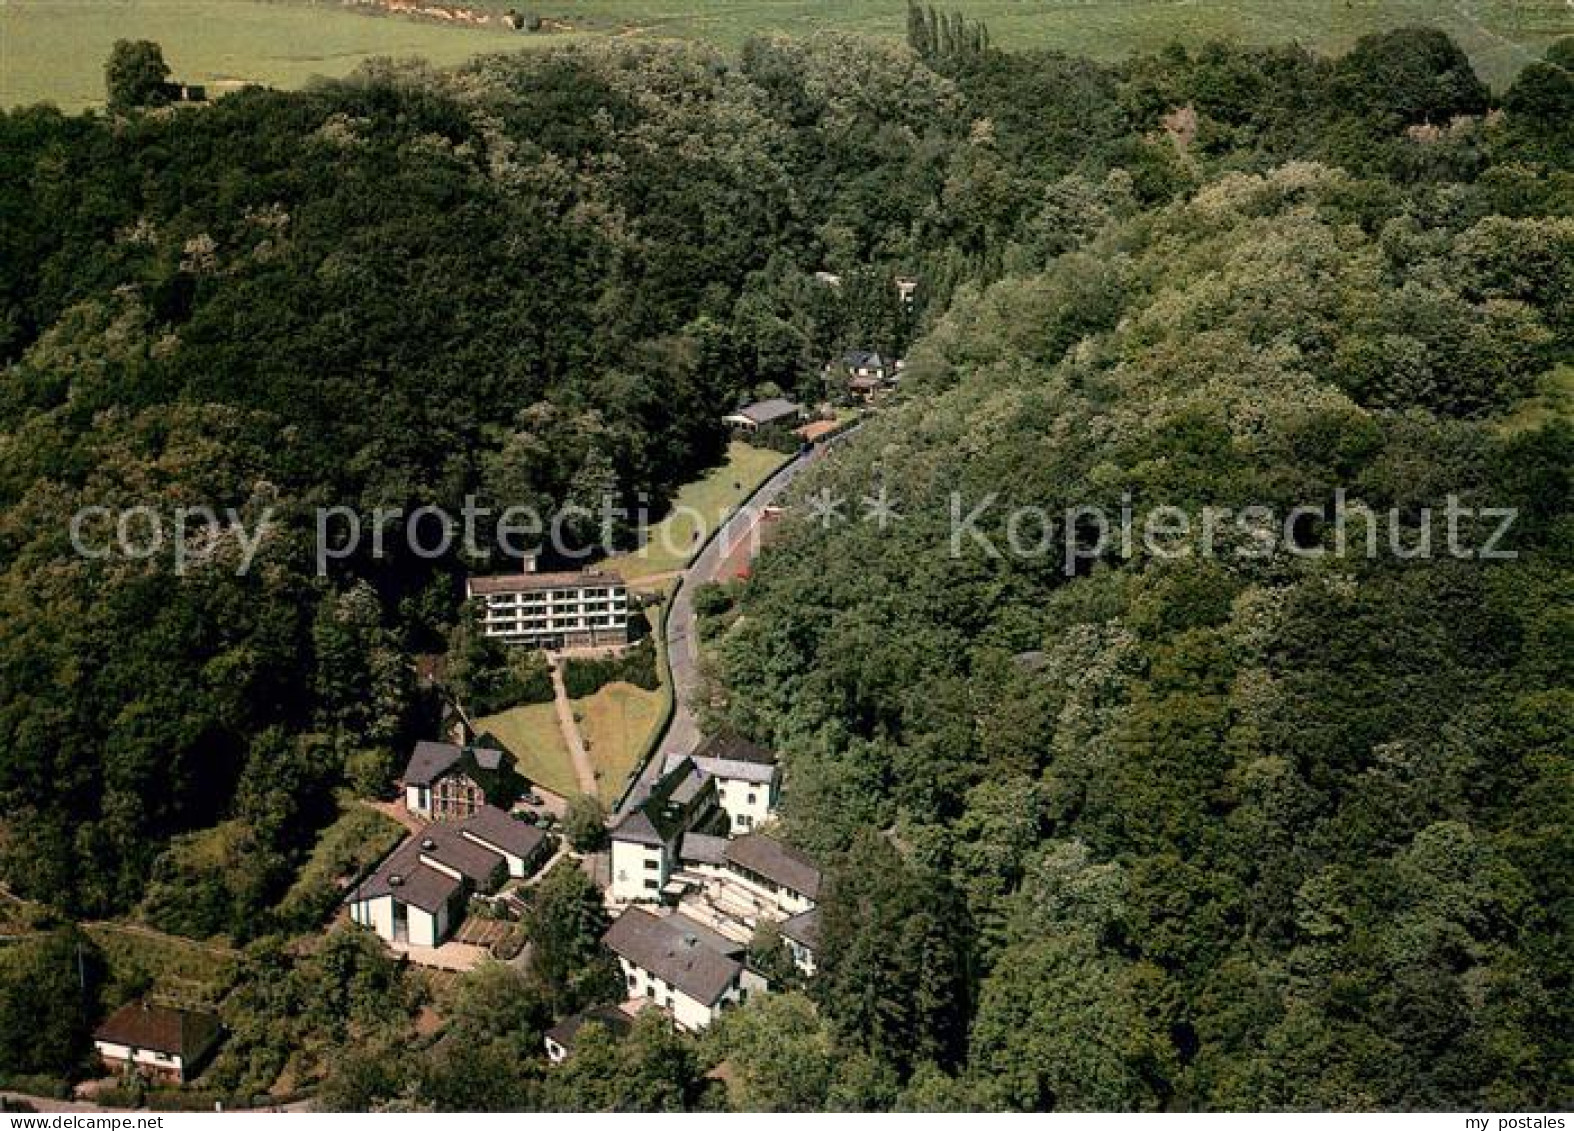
(683, 642)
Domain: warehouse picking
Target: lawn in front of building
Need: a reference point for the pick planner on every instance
(616, 723)
(696, 512)
(532, 733)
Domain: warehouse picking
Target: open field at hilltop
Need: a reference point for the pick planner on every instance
(53, 50)
(1501, 35)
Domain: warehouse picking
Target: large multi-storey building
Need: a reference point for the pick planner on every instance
(554, 610)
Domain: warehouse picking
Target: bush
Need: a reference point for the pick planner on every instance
(585, 823)
(583, 678)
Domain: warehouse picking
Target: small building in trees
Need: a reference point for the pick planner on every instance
(162, 1043)
(778, 412)
(562, 1038)
(864, 373)
(801, 935)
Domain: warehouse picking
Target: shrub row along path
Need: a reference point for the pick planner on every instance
(682, 638)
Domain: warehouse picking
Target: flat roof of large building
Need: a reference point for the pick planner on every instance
(528, 582)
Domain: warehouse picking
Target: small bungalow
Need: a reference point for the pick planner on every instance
(562, 1037)
(778, 412)
(164, 1044)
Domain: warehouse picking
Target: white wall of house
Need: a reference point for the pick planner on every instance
(142, 1058)
(802, 956)
(747, 804)
(638, 871)
(427, 929)
(376, 914)
(418, 799)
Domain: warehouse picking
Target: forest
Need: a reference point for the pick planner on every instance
(1167, 834)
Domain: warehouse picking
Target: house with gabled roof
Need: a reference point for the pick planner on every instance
(418, 894)
(683, 966)
(563, 1038)
(777, 412)
(645, 843)
(444, 781)
(160, 1042)
(748, 782)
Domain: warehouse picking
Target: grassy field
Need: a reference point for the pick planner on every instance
(1499, 34)
(615, 723)
(1554, 400)
(532, 733)
(697, 510)
(54, 49)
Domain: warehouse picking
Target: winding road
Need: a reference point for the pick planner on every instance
(682, 642)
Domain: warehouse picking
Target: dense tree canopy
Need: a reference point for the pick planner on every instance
(1156, 831)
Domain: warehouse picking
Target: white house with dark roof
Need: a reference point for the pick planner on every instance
(775, 870)
(748, 783)
(683, 966)
(444, 781)
(646, 842)
(157, 1041)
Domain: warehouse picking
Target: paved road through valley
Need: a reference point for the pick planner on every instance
(683, 644)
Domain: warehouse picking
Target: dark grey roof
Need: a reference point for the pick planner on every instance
(863, 359)
(803, 928)
(639, 828)
(781, 863)
(403, 876)
(698, 848)
(734, 749)
(186, 1033)
(767, 412)
(609, 1017)
(446, 845)
(430, 761)
(676, 949)
(496, 829)
(665, 811)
